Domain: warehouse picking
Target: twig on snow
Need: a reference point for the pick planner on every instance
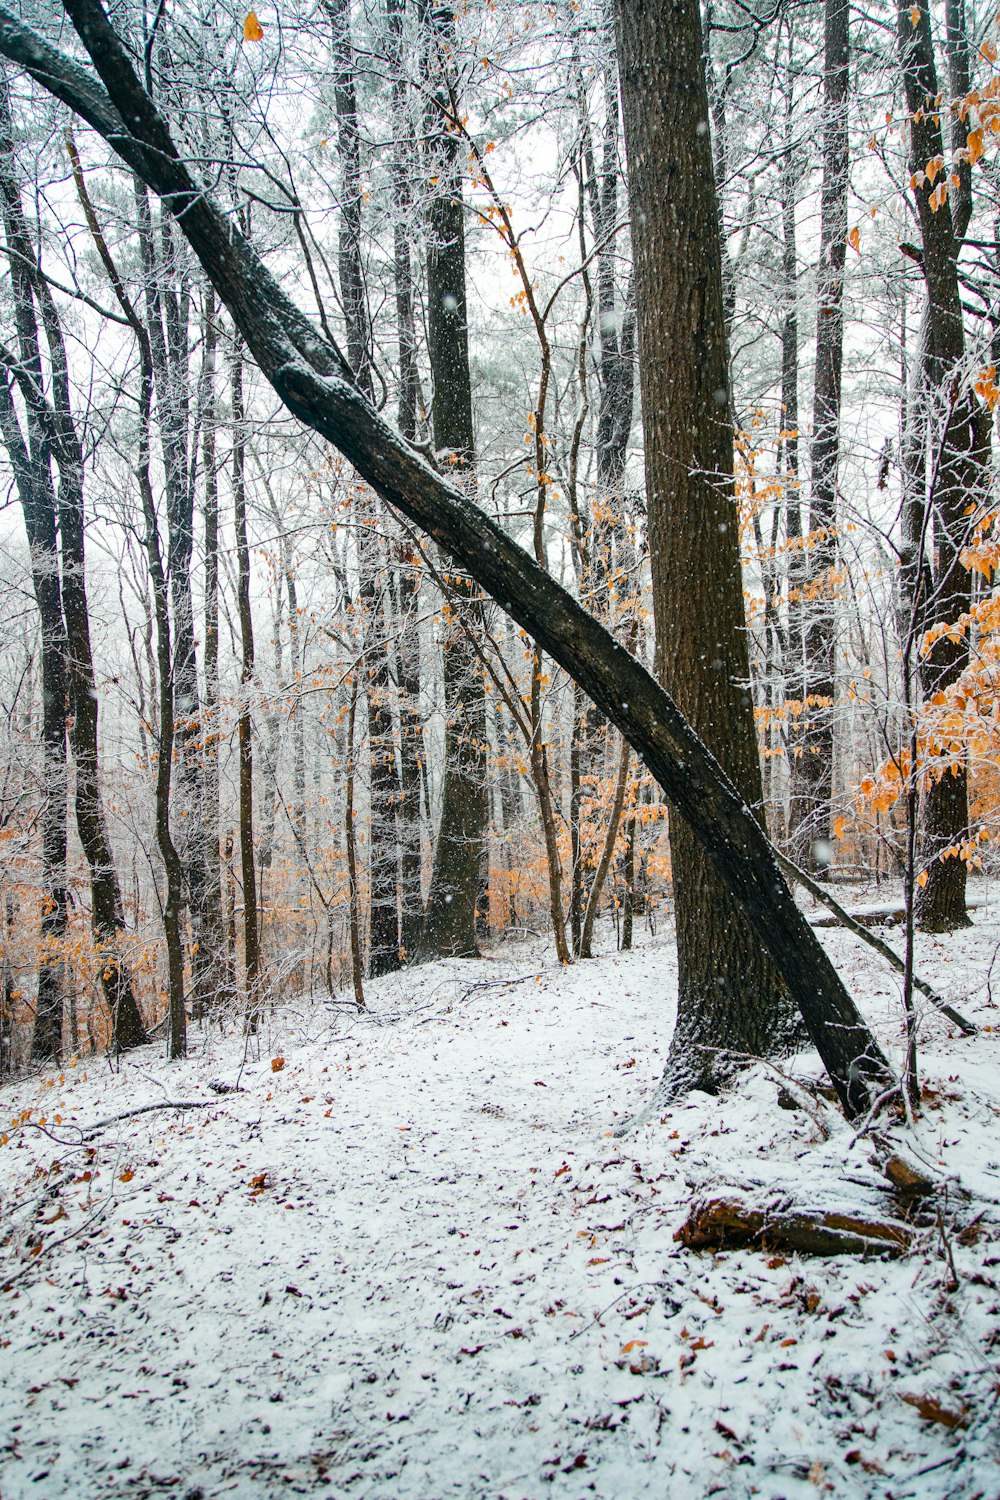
(891, 957)
(88, 1131)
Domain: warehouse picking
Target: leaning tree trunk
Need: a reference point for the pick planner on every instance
(453, 899)
(313, 381)
(730, 993)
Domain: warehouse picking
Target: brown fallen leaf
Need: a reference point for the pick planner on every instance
(931, 1410)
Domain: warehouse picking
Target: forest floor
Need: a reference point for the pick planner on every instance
(410, 1258)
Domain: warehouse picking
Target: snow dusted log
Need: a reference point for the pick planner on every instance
(312, 378)
(729, 1223)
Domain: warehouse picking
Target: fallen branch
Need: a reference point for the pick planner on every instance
(845, 919)
(720, 1223)
(88, 1131)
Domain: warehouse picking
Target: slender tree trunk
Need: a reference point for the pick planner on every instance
(383, 947)
(38, 505)
(7, 1000)
(404, 571)
(248, 869)
(730, 994)
(450, 917)
(403, 151)
(351, 859)
(405, 580)
(213, 924)
(814, 767)
(794, 666)
(173, 906)
(29, 458)
(167, 317)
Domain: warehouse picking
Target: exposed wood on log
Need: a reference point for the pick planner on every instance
(728, 1223)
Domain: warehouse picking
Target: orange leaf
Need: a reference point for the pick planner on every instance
(277, 1063)
(915, 14)
(922, 879)
(634, 1344)
(126, 1176)
(989, 51)
(253, 31)
(854, 239)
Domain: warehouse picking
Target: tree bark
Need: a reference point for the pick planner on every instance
(212, 934)
(814, 767)
(384, 792)
(29, 457)
(453, 899)
(730, 993)
(248, 869)
(167, 303)
(316, 386)
(941, 594)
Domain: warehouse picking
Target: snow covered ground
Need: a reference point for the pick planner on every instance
(411, 1258)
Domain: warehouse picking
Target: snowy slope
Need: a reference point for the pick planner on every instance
(416, 1262)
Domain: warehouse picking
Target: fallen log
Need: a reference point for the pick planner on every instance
(729, 1223)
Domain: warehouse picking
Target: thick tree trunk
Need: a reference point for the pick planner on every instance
(453, 899)
(730, 993)
(315, 385)
(940, 593)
